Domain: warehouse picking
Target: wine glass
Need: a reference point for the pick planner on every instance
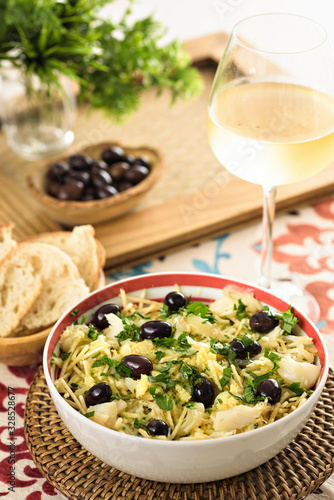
(271, 115)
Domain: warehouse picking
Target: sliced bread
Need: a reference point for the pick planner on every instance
(7, 244)
(61, 286)
(87, 252)
(20, 285)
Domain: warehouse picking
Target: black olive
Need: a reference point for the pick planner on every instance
(117, 170)
(204, 392)
(142, 160)
(54, 188)
(88, 194)
(139, 365)
(123, 186)
(102, 165)
(136, 174)
(87, 197)
(77, 175)
(254, 349)
(106, 191)
(155, 330)
(99, 320)
(174, 300)
(158, 428)
(113, 154)
(270, 389)
(99, 393)
(242, 351)
(239, 348)
(57, 170)
(80, 162)
(262, 322)
(100, 178)
(71, 191)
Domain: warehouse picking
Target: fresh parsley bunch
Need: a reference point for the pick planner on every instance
(113, 62)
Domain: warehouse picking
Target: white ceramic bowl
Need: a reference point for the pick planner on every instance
(187, 461)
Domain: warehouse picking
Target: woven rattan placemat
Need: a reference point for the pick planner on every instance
(293, 474)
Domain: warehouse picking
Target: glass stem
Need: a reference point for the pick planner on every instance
(269, 201)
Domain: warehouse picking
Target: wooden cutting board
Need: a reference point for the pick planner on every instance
(195, 199)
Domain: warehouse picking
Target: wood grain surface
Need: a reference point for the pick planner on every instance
(195, 198)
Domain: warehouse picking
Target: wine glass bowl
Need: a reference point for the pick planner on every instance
(271, 121)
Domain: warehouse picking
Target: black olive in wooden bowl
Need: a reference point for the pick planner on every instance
(97, 184)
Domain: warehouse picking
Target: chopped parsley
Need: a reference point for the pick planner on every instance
(159, 355)
(74, 312)
(164, 402)
(120, 369)
(164, 378)
(180, 344)
(65, 355)
(273, 357)
(130, 330)
(288, 321)
(96, 354)
(297, 389)
(240, 310)
(138, 425)
(227, 374)
(191, 405)
(89, 414)
(217, 347)
(257, 379)
(200, 309)
(93, 333)
(54, 355)
(165, 312)
(287, 318)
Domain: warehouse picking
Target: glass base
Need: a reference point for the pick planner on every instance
(300, 298)
(40, 146)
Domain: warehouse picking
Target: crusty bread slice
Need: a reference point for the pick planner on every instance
(62, 286)
(7, 244)
(20, 284)
(87, 252)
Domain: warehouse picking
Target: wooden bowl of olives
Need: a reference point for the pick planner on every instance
(97, 184)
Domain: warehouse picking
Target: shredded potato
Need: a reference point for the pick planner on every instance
(199, 384)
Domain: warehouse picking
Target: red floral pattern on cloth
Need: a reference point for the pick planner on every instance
(29, 482)
(306, 248)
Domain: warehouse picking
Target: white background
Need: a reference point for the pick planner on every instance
(187, 19)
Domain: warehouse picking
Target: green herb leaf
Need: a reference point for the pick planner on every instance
(130, 330)
(164, 402)
(93, 333)
(217, 347)
(288, 321)
(241, 310)
(65, 355)
(191, 405)
(297, 389)
(89, 414)
(165, 312)
(159, 355)
(273, 357)
(200, 309)
(138, 425)
(227, 374)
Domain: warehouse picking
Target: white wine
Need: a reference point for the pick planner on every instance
(272, 133)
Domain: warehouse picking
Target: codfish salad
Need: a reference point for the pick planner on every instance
(183, 369)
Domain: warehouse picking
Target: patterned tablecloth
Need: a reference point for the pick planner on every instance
(304, 247)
